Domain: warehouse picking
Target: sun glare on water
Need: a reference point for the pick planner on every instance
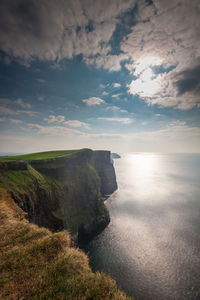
(142, 172)
(145, 163)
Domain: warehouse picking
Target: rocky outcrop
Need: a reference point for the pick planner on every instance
(63, 192)
(103, 164)
(115, 156)
(12, 165)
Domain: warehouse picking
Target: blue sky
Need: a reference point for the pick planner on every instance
(123, 75)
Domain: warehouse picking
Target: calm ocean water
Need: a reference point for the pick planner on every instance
(152, 245)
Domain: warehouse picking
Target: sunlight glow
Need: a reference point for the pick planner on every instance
(146, 62)
(148, 83)
(142, 173)
(145, 164)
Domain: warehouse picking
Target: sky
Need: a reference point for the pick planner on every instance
(119, 75)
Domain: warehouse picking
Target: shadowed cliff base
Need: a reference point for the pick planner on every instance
(38, 264)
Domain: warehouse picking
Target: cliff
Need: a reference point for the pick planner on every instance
(115, 156)
(38, 264)
(62, 189)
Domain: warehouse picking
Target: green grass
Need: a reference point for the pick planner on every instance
(37, 264)
(21, 182)
(40, 155)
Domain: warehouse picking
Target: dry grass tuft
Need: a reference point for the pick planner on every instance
(37, 264)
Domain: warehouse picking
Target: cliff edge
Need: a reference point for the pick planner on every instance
(62, 189)
(38, 264)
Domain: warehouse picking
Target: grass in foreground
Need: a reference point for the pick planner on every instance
(37, 264)
(40, 155)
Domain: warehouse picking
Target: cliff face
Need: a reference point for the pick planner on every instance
(103, 164)
(63, 192)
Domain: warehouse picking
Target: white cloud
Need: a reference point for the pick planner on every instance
(118, 120)
(161, 32)
(27, 112)
(165, 89)
(76, 123)
(55, 119)
(52, 130)
(177, 123)
(116, 85)
(161, 37)
(92, 101)
(7, 107)
(61, 120)
(171, 138)
(107, 61)
(8, 111)
(105, 93)
(115, 108)
(59, 29)
(116, 95)
(147, 85)
(13, 121)
(21, 103)
(173, 131)
(64, 29)
(41, 80)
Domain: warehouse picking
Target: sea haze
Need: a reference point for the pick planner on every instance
(152, 245)
(9, 154)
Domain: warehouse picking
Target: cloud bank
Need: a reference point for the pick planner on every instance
(167, 37)
(161, 37)
(53, 30)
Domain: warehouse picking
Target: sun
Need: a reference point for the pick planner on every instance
(145, 62)
(148, 82)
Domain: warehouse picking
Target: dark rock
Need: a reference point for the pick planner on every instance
(115, 155)
(87, 231)
(102, 162)
(13, 165)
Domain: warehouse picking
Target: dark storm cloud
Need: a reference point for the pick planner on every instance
(189, 81)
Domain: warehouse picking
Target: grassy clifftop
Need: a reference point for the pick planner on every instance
(42, 155)
(37, 264)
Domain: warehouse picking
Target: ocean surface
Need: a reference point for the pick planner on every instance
(152, 245)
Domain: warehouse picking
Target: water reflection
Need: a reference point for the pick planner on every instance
(152, 245)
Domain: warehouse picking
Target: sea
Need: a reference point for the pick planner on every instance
(152, 245)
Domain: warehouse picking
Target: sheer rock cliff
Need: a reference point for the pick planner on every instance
(64, 192)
